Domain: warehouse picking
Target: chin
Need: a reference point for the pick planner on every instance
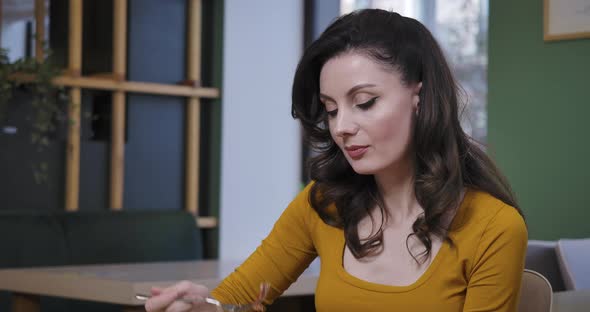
(363, 169)
(365, 172)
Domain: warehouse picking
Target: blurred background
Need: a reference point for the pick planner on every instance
(526, 100)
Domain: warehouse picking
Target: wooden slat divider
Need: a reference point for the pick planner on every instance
(193, 117)
(117, 151)
(39, 30)
(119, 39)
(1, 20)
(194, 41)
(206, 222)
(109, 76)
(118, 111)
(117, 83)
(100, 83)
(73, 144)
(193, 109)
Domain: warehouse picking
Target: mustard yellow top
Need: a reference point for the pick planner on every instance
(481, 272)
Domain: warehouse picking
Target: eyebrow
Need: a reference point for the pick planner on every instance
(351, 91)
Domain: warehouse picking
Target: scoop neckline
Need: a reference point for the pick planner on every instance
(376, 287)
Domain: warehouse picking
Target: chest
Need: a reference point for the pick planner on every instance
(384, 283)
(401, 262)
(339, 290)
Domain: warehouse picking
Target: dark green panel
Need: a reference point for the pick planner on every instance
(538, 111)
(211, 120)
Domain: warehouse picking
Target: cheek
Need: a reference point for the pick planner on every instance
(392, 123)
(394, 131)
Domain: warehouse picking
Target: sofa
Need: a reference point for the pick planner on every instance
(32, 239)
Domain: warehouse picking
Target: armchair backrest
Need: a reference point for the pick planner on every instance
(131, 236)
(541, 256)
(574, 261)
(536, 294)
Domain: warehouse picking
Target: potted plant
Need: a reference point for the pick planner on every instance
(49, 102)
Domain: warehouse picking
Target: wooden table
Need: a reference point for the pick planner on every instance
(119, 283)
(571, 301)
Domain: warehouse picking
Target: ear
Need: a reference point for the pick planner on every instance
(416, 94)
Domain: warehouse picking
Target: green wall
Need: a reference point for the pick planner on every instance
(539, 118)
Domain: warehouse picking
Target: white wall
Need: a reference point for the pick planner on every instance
(260, 152)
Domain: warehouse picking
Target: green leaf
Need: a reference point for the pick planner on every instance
(49, 102)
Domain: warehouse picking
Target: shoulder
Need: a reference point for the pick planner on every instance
(482, 210)
(302, 197)
(484, 220)
(300, 207)
(493, 234)
(303, 202)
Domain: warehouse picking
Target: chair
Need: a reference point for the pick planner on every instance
(536, 294)
(574, 261)
(541, 257)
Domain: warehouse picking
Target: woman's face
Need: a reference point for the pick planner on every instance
(370, 112)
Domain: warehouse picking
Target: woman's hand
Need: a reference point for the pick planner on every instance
(170, 299)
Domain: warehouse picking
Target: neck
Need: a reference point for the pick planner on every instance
(396, 185)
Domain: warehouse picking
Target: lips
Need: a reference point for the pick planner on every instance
(356, 151)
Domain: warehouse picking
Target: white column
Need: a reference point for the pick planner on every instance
(260, 150)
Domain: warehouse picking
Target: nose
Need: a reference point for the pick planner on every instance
(344, 124)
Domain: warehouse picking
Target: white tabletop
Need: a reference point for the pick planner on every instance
(119, 283)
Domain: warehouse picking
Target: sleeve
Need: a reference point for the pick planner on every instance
(282, 256)
(494, 282)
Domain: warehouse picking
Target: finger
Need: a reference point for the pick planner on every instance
(193, 299)
(161, 301)
(201, 290)
(179, 306)
(156, 291)
(183, 286)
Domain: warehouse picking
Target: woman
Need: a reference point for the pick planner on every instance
(405, 211)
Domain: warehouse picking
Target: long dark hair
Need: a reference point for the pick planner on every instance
(446, 159)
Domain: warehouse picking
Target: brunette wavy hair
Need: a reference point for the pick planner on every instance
(446, 159)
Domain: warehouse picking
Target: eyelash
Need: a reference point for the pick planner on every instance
(363, 106)
(367, 104)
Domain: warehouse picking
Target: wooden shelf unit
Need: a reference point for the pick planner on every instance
(116, 83)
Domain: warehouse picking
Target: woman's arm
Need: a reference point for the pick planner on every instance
(494, 282)
(283, 255)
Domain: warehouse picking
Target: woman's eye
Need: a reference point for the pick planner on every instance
(367, 104)
(332, 113)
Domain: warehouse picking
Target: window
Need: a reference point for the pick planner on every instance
(460, 27)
